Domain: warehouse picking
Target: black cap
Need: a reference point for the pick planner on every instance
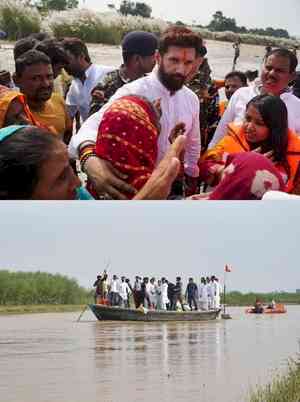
(140, 42)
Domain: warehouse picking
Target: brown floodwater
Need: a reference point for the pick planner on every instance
(53, 358)
(220, 56)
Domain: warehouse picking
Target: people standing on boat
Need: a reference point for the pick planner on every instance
(209, 292)
(97, 286)
(124, 292)
(177, 295)
(277, 73)
(137, 292)
(217, 289)
(203, 294)
(104, 286)
(258, 307)
(165, 302)
(191, 294)
(158, 292)
(145, 293)
(152, 293)
(114, 291)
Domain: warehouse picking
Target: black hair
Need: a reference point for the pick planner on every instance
(181, 37)
(21, 156)
(275, 116)
(237, 74)
(76, 47)
(30, 58)
(283, 52)
(40, 36)
(54, 50)
(251, 75)
(23, 45)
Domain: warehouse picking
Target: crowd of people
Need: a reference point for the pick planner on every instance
(153, 128)
(158, 294)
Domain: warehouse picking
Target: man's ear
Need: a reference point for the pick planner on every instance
(158, 58)
(15, 79)
(293, 76)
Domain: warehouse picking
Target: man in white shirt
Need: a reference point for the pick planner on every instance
(86, 76)
(178, 52)
(277, 73)
(124, 292)
(114, 291)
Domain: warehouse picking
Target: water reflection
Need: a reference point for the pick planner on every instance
(206, 362)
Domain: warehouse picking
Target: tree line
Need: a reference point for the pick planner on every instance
(21, 288)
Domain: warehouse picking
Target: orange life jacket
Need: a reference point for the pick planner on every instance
(235, 141)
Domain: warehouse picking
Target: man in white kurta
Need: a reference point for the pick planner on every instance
(124, 292)
(182, 106)
(217, 289)
(278, 71)
(178, 105)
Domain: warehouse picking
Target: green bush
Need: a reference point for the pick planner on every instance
(30, 288)
(18, 20)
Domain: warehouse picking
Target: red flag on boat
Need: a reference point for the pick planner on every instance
(227, 268)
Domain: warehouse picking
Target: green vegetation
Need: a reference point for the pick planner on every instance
(47, 5)
(37, 288)
(239, 299)
(284, 388)
(220, 23)
(41, 308)
(18, 20)
(132, 8)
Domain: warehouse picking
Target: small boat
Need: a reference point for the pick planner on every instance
(110, 313)
(279, 309)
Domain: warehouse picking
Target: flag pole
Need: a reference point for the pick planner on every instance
(225, 316)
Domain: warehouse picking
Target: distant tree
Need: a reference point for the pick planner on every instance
(180, 23)
(60, 5)
(220, 23)
(132, 8)
(111, 6)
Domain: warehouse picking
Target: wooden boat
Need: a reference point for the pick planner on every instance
(279, 309)
(103, 312)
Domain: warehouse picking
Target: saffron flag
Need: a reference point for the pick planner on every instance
(227, 268)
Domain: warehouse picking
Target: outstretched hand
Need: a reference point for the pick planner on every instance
(158, 186)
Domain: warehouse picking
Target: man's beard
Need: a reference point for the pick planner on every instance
(173, 82)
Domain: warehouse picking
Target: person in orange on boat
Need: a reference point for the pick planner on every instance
(14, 109)
(264, 130)
(233, 81)
(34, 77)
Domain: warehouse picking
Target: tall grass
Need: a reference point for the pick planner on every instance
(24, 288)
(283, 388)
(18, 20)
(96, 27)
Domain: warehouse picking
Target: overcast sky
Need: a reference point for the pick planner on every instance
(259, 239)
(254, 13)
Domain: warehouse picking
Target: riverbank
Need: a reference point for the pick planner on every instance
(108, 28)
(43, 308)
(283, 388)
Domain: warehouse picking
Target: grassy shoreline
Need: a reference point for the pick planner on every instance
(42, 308)
(283, 387)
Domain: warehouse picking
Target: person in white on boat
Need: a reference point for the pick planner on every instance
(114, 291)
(124, 292)
(209, 292)
(152, 293)
(217, 290)
(164, 294)
(203, 294)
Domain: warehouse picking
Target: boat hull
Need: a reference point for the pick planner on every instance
(109, 313)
